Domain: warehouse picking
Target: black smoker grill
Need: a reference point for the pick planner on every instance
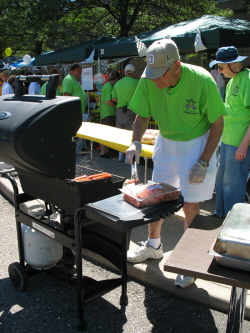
(36, 138)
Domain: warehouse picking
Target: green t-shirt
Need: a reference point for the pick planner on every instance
(106, 110)
(185, 111)
(237, 102)
(43, 90)
(74, 88)
(123, 90)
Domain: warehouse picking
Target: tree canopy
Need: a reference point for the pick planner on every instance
(38, 26)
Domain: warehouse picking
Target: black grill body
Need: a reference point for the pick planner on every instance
(36, 134)
(36, 138)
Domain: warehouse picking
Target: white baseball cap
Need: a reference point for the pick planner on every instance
(160, 56)
(130, 68)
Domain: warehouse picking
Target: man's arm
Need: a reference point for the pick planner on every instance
(111, 103)
(198, 172)
(66, 94)
(213, 139)
(139, 127)
(241, 152)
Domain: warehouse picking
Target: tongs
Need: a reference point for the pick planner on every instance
(134, 174)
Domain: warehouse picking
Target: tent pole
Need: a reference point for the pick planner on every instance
(88, 101)
(98, 67)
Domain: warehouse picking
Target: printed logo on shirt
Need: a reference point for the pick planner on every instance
(151, 59)
(235, 91)
(190, 107)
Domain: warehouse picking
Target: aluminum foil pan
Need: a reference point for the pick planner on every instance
(232, 245)
(230, 262)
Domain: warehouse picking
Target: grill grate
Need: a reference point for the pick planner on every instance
(81, 171)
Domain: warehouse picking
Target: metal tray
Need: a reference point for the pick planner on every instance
(230, 262)
(231, 246)
(121, 215)
(233, 239)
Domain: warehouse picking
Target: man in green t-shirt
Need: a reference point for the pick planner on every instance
(72, 87)
(234, 165)
(185, 103)
(122, 94)
(108, 108)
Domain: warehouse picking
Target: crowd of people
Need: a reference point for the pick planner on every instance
(31, 88)
(194, 115)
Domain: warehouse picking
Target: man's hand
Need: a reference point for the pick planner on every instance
(197, 173)
(134, 151)
(241, 152)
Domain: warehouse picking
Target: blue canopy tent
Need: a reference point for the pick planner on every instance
(23, 64)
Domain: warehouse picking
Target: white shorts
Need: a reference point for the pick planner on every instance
(173, 161)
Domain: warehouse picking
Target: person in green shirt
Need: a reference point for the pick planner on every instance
(185, 103)
(108, 111)
(43, 88)
(72, 87)
(122, 95)
(234, 164)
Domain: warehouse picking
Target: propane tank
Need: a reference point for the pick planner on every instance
(40, 252)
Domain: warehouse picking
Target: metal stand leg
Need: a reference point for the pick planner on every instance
(124, 296)
(81, 322)
(236, 310)
(18, 224)
(91, 149)
(146, 170)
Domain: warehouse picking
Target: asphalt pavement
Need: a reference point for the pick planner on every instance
(155, 305)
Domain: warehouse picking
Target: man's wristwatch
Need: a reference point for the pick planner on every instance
(204, 164)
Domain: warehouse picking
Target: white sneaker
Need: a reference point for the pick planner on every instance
(183, 281)
(144, 252)
(121, 157)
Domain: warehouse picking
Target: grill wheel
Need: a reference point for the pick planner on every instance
(18, 276)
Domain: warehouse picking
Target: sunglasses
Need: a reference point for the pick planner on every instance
(220, 68)
(162, 77)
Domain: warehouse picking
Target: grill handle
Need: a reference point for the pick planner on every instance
(52, 85)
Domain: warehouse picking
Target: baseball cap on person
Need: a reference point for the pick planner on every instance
(227, 55)
(130, 68)
(160, 56)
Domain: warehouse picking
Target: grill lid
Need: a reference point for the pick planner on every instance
(36, 131)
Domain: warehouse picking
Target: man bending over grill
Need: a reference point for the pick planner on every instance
(187, 107)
